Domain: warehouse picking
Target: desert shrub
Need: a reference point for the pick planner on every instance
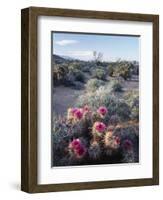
(123, 69)
(135, 68)
(111, 70)
(59, 73)
(74, 66)
(71, 77)
(66, 74)
(99, 74)
(103, 96)
(94, 99)
(79, 76)
(129, 142)
(132, 98)
(93, 84)
(86, 68)
(117, 86)
(135, 113)
(123, 110)
(60, 138)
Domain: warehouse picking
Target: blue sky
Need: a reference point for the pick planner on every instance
(81, 46)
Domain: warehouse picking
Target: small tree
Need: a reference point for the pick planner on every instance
(97, 57)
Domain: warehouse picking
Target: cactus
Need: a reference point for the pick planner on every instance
(94, 151)
(85, 136)
(111, 143)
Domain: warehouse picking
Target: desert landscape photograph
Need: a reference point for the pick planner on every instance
(95, 99)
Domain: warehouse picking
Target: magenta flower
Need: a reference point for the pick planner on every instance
(78, 114)
(74, 114)
(73, 110)
(75, 143)
(99, 127)
(70, 113)
(80, 151)
(102, 111)
(77, 148)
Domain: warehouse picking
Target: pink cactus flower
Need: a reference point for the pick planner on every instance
(99, 127)
(75, 114)
(75, 143)
(78, 114)
(77, 148)
(70, 113)
(80, 151)
(102, 111)
(73, 110)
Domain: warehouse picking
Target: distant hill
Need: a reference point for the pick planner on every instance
(68, 57)
(63, 59)
(58, 59)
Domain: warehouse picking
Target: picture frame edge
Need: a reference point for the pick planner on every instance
(28, 101)
(29, 106)
(24, 99)
(156, 99)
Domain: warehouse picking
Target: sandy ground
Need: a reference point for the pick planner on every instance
(63, 98)
(131, 84)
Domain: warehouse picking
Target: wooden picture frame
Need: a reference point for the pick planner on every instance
(29, 112)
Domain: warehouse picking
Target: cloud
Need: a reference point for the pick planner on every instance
(66, 42)
(80, 53)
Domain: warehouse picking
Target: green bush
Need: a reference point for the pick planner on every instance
(117, 87)
(99, 74)
(86, 68)
(59, 73)
(132, 98)
(103, 96)
(93, 84)
(69, 80)
(74, 66)
(111, 70)
(79, 76)
(135, 68)
(123, 69)
(66, 74)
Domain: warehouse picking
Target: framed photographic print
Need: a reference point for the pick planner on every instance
(90, 99)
